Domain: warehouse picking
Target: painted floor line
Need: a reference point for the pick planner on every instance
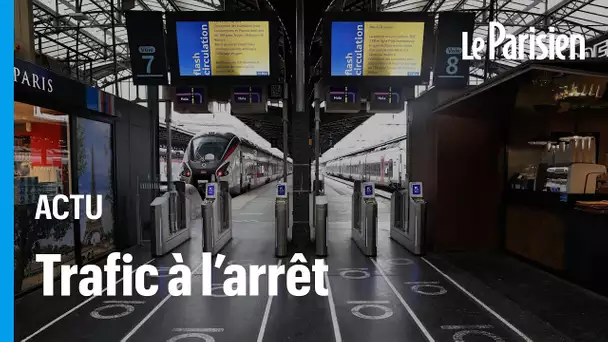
(74, 309)
(499, 317)
(405, 305)
(332, 309)
(152, 312)
(266, 314)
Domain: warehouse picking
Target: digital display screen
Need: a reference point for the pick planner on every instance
(373, 48)
(386, 95)
(247, 95)
(342, 94)
(223, 48)
(185, 95)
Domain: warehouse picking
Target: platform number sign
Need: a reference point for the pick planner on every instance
(146, 33)
(147, 54)
(452, 62)
(451, 71)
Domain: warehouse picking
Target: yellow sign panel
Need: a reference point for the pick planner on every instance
(240, 48)
(393, 48)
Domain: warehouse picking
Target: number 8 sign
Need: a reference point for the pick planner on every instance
(452, 65)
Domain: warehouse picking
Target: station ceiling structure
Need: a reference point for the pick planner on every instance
(87, 39)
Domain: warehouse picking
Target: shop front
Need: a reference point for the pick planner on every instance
(518, 165)
(64, 143)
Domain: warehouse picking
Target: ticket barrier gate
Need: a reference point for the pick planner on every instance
(365, 218)
(169, 231)
(319, 218)
(281, 216)
(408, 218)
(217, 217)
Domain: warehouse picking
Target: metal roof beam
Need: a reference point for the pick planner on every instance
(211, 4)
(563, 9)
(66, 22)
(144, 5)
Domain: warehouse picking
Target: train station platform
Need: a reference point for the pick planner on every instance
(395, 296)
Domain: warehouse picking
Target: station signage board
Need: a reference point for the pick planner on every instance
(191, 100)
(207, 47)
(247, 95)
(146, 35)
(386, 99)
(251, 99)
(36, 85)
(378, 48)
(188, 95)
(342, 99)
(342, 95)
(450, 70)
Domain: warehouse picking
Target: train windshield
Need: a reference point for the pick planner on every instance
(208, 148)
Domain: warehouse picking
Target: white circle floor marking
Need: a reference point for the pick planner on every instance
(418, 289)
(399, 262)
(348, 274)
(97, 312)
(357, 311)
(459, 336)
(201, 336)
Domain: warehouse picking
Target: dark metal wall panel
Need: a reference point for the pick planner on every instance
(133, 153)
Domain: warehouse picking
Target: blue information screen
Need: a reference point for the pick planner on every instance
(211, 190)
(416, 189)
(281, 190)
(373, 48)
(368, 190)
(223, 48)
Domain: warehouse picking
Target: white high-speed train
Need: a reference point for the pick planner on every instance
(383, 164)
(227, 157)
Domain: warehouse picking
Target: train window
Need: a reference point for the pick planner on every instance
(215, 145)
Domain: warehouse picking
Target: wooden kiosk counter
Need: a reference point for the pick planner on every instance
(518, 164)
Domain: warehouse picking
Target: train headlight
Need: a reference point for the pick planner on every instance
(224, 170)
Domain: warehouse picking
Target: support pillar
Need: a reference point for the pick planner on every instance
(24, 31)
(301, 150)
(153, 108)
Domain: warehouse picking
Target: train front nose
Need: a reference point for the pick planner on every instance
(202, 172)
